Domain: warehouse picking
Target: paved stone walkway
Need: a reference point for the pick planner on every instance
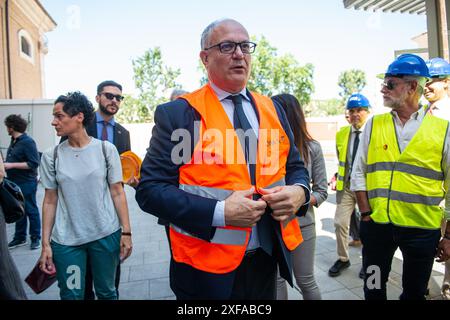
(145, 273)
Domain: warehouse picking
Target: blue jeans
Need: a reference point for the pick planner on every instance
(29, 190)
(418, 247)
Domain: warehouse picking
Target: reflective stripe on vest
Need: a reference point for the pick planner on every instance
(404, 197)
(222, 235)
(407, 168)
(406, 188)
(342, 142)
(217, 180)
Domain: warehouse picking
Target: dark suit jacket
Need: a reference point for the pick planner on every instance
(121, 136)
(158, 194)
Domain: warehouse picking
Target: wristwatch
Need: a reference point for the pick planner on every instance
(366, 213)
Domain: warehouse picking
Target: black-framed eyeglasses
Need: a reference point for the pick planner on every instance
(229, 47)
(111, 96)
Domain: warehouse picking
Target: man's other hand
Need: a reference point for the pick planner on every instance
(285, 201)
(242, 211)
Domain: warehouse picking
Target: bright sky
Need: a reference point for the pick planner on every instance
(97, 40)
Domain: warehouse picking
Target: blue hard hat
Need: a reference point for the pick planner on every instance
(407, 65)
(357, 100)
(439, 68)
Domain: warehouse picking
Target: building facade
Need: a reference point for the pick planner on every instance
(23, 45)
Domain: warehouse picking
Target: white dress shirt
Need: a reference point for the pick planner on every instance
(404, 135)
(219, 211)
(350, 148)
(441, 108)
(228, 106)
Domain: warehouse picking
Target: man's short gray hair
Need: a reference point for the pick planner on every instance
(204, 43)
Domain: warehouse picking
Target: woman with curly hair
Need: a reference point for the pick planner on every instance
(85, 212)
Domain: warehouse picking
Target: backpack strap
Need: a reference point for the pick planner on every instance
(106, 159)
(55, 156)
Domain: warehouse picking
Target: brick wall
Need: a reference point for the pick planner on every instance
(3, 76)
(26, 76)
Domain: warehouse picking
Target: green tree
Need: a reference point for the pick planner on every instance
(272, 74)
(351, 81)
(323, 108)
(154, 81)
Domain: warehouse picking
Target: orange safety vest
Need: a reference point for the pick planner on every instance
(218, 168)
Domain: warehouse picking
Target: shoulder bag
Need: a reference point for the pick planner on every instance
(12, 201)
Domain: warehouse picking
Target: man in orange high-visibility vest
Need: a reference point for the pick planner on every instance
(232, 195)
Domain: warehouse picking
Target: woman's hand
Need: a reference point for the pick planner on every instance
(46, 260)
(126, 246)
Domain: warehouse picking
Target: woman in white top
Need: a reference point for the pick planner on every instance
(85, 211)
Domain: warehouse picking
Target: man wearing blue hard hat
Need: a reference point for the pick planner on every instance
(347, 141)
(436, 92)
(400, 176)
(436, 89)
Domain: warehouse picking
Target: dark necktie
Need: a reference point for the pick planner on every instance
(105, 131)
(247, 137)
(250, 146)
(355, 146)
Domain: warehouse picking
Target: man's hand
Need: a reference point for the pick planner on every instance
(133, 182)
(242, 211)
(443, 251)
(285, 201)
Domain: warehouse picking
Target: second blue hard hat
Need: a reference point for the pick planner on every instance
(407, 65)
(438, 68)
(357, 100)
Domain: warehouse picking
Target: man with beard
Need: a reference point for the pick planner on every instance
(400, 177)
(109, 96)
(104, 127)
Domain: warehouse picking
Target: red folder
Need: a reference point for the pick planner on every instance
(38, 280)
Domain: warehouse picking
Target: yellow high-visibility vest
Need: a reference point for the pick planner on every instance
(342, 142)
(406, 188)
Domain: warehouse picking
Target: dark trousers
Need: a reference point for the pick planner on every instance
(418, 247)
(89, 283)
(31, 213)
(255, 277)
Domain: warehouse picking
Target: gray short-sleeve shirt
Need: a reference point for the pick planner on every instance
(85, 211)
